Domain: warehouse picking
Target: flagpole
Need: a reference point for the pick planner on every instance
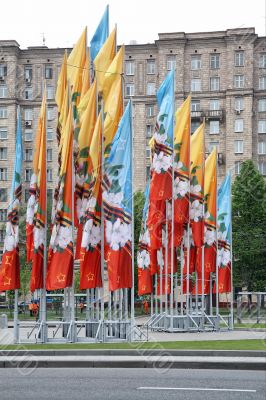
(231, 257)
(161, 280)
(16, 329)
(43, 291)
(187, 277)
(181, 277)
(166, 262)
(102, 214)
(172, 227)
(71, 289)
(202, 232)
(132, 309)
(216, 267)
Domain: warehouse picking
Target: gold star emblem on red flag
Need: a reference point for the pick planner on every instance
(7, 281)
(9, 260)
(61, 277)
(90, 276)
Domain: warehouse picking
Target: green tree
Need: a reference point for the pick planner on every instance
(139, 200)
(249, 222)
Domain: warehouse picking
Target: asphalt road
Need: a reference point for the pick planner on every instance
(129, 384)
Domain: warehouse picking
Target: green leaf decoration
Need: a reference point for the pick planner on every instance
(194, 169)
(84, 153)
(66, 209)
(17, 177)
(162, 117)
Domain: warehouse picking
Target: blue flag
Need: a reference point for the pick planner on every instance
(119, 164)
(100, 35)
(16, 179)
(165, 118)
(224, 209)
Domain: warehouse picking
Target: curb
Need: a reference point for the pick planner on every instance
(158, 363)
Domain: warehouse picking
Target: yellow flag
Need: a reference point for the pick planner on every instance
(86, 75)
(95, 147)
(210, 187)
(67, 134)
(197, 160)
(61, 84)
(88, 123)
(104, 59)
(75, 63)
(113, 110)
(114, 72)
(40, 137)
(182, 137)
(63, 118)
(85, 99)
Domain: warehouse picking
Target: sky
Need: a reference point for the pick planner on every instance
(62, 21)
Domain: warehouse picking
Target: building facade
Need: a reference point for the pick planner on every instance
(224, 71)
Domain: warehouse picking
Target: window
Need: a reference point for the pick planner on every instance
(214, 127)
(262, 168)
(194, 125)
(3, 133)
(262, 126)
(49, 175)
(50, 92)
(3, 215)
(2, 235)
(50, 134)
(28, 113)
(239, 81)
(237, 167)
(239, 103)
(195, 85)
(212, 145)
(3, 194)
(214, 105)
(263, 60)
(195, 105)
(3, 70)
(48, 72)
(3, 153)
(28, 94)
(3, 91)
(238, 146)
(148, 131)
(150, 88)
(262, 105)
(28, 73)
(50, 113)
(3, 112)
(239, 125)
(239, 59)
(148, 169)
(171, 63)
(262, 83)
(151, 67)
(28, 173)
(214, 83)
(3, 174)
(28, 155)
(28, 136)
(27, 195)
(215, 61)
(262, 148)
(129, 89)
(49, 154)
(148, 151)
(195, 62)
(50, 194)
(130, 67)
(150, 112)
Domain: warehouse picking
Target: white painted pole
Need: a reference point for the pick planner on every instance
(181, 278)
(132, 308)
(16, 327)
(231, 256)
(166, 261)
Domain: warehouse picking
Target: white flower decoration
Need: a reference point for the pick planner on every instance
(195, 189)
(196, 211)
(224, 257)
(160, 138)
(11, 237)
(180, 188)
(64, 236)
(161, 162)
(178, 165)
(143, 259)
(38, 236)
(117, 234)
(209, 236)
(113, 198)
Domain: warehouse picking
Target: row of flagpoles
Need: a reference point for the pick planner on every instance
(186, 226)
(92, 210)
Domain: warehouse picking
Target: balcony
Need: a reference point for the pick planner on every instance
(197, 115)
(214, 114)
